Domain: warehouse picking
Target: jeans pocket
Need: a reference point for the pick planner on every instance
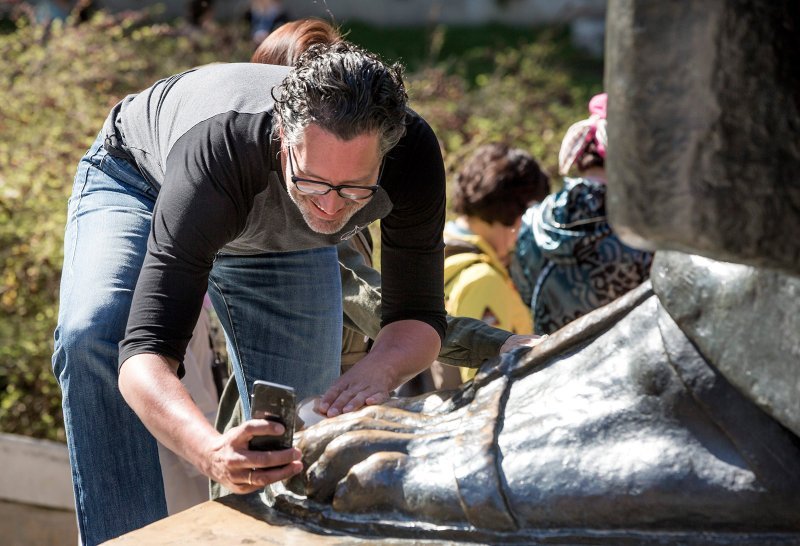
(125, 172)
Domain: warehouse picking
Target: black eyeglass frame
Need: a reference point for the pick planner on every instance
(328, 187)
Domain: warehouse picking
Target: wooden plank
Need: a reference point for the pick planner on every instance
(214, 523)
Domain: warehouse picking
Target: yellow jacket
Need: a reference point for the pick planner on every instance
(477, 285)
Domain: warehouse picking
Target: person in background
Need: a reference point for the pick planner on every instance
(45, 12)
(48, 11)
(496, 185)
(568, 260)
(199, 12)
(285, 45)
(265, 17)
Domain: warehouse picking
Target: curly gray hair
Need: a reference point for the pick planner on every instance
(346, 91)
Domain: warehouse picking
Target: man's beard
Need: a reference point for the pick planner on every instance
(320, 225)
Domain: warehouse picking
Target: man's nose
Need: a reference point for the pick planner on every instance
(331, 202)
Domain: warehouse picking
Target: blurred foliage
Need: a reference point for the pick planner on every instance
(468, 47)
(58, 83)
(494, 83)
(57, 86)
(528, 100)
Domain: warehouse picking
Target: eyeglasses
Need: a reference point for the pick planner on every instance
(316, 187)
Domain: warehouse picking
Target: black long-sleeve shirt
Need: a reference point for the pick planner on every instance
(204, 140)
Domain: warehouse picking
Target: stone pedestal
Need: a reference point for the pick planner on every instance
(703, 125)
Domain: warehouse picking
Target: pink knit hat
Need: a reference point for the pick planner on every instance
(580, 134)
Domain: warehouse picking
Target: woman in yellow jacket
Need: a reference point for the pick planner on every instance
(477, 285)
(492, 191)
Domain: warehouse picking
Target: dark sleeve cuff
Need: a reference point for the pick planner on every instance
(126, 351)
(470, 342)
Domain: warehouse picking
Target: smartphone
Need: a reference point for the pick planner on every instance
(273, 402)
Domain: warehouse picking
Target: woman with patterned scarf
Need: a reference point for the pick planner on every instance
(568, 261)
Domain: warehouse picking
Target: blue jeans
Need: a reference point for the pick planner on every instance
(281, 313)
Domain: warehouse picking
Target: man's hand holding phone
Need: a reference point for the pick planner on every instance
(275, 403)
(259, 451)
(241, 470)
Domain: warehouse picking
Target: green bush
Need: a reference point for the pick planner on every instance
(58, 84)
(529, 98)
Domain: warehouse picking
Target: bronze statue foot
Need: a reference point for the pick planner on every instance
(615, 425)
